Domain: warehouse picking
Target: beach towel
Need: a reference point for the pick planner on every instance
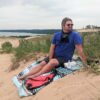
(60, 72)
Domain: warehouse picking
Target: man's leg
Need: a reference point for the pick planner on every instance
(51, 64)
(33, 70)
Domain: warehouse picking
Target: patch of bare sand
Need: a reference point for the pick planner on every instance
(77, 86)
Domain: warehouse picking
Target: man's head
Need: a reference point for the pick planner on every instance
(67, 25)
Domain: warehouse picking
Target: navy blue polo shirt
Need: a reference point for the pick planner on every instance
(65, 50)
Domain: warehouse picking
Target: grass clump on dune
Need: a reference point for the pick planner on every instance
(7, 47)
(28, 49)
(91, 45)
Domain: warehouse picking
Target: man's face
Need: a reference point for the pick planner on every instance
(68, 26)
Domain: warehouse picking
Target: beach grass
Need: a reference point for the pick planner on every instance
(27, 49)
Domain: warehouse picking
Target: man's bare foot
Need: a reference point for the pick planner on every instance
(30, 77)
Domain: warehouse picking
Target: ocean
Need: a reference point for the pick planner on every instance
(6, 34)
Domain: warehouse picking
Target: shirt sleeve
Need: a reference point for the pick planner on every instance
(53, 40)
(77, 39)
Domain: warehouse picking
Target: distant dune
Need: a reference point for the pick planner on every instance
(88, 30)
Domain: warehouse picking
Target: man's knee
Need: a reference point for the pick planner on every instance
(54, 62)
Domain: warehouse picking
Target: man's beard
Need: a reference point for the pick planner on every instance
(67, 30)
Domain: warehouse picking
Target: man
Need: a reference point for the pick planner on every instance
(62, 49)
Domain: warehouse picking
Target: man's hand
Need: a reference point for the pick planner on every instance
(81, 54)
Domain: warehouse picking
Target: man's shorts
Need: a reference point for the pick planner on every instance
(60, 60)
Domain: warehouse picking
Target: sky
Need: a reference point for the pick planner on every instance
(48, 14)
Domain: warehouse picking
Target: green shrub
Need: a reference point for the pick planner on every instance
(7, 47)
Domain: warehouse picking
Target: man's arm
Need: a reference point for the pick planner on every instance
(51, 52)
(81, 54)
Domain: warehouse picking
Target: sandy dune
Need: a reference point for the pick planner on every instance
(78, 86)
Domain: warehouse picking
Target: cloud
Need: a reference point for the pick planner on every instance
(47, 13)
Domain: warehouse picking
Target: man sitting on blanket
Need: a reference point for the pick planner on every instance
(62, 49)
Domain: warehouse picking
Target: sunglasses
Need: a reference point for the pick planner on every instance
(69, 24)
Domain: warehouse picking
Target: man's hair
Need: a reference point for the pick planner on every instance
(65, 20)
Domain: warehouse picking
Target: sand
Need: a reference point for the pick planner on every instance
(80, 85)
